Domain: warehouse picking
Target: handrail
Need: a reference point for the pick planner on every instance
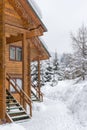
(39, 93)
(8, 118)
(21, 92)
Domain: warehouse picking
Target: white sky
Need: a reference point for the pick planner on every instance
(62, 17)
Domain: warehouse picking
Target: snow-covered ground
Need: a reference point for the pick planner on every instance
(64, 108)
(12, 126)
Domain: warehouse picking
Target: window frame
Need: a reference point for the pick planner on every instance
(15, 47)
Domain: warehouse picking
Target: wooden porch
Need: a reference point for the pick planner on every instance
(19, 46)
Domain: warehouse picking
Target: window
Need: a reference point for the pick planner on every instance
(16, 81)
(15, 53)
(12, 53)
(19, 54)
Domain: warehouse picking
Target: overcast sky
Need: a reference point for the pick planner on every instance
(62, 17)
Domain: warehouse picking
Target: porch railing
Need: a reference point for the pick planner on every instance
(39, 94)
(20, 91)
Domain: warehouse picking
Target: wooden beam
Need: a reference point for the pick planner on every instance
(16, 33)
(23, 65)
(39, 77)
(9, 28)
(34, 33)
(26, 68)
(13, 39)
(2, 62)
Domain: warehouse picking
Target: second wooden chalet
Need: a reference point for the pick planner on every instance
(20, 28)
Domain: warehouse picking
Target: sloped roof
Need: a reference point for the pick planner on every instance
(43, 53)
(44, 47)
(27, 6)
(36, 8)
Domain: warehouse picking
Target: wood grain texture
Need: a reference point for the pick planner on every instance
(2, 61)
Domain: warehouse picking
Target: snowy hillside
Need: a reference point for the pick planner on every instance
(64, 108)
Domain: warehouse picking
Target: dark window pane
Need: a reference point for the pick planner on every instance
(12, 53)
(19, 54)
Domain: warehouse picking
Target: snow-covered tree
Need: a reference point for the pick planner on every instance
(67, 65)
(34, 73)
(80, 50)
(48, 71)
(42, 72)
(55, 69)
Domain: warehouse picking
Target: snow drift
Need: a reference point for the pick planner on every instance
(11, 126)
(73, 94)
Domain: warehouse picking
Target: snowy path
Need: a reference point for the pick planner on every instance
(52, 115)
(64, 108)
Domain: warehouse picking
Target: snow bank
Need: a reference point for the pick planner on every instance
(39, 107)
(73, 94)
(11, 126)
(78, 102)
(57, 92)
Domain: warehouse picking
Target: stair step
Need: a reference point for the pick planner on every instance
(9, 97)
(33, 97)
(12, 104)
(16, 107)
(35, 100)
(16, 112)
(21, 117)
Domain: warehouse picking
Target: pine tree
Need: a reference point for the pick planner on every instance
(55, 70)
(48, 71)
(34, 73)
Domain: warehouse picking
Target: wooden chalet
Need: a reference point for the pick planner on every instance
(20, 28)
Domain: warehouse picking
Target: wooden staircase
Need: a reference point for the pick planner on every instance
(36, 95)
(15, 111)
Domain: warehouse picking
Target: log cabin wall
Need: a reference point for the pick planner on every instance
(12, 19)
(13, 67)
(11, 16)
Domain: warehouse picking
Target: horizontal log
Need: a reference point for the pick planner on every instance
(19, 37)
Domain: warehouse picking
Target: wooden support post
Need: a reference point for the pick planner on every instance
(29, 68)
(29, 74)
(26, 68)
(2, 63)
(24, 65)
(39, 77)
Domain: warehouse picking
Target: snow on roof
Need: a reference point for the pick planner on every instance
(44, 45)
(36, 8)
